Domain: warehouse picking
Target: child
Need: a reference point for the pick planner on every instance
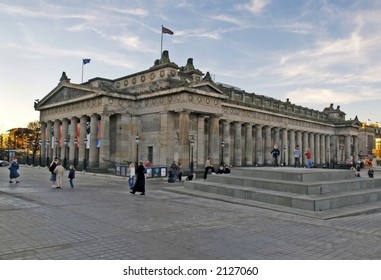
(371, 172)
(71, 175)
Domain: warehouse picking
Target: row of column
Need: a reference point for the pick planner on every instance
(60, 140)
(250, 144)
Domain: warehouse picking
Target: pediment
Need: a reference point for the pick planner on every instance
(207, 87)
(64, 94)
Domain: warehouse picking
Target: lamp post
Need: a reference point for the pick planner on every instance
(47, 152)
(75, 152)
(9, 144)
(137, 141)
(329, 158)
(65, 155)
(55, 147)
(84, 160)
(39, 159)
(284, 155)
(191, 162)
(33, 151)
(222, 152)
(27, 152)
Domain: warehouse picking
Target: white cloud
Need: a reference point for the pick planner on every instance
(254, 6)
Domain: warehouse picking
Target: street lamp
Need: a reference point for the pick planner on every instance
(75, 152)
(191, 163)
(137, 141)
(65, 155)
(84, 160)
(329, 158)
(284, 155)
(47, 152)
(27, 152)
(56, 147)
(222, 152)
(39, 159)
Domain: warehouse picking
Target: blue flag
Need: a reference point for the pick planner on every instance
(86, 60)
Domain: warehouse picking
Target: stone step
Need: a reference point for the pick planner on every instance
(346, 211)
(315, 202)
(297, 187)
(293, 174)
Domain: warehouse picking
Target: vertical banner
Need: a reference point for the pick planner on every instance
(78, 133)
(99, 134)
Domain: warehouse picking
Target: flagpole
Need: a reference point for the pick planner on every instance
(161, 44)
(82, 73)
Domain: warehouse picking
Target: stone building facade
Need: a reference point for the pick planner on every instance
(181, 114)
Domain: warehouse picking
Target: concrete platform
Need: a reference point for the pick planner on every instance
(313, 190)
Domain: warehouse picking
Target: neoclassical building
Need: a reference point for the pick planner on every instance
(180, 114)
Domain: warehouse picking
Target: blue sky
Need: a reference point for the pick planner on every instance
(312, 52)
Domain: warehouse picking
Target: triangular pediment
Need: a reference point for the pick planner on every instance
(208, 87)
(64, 93)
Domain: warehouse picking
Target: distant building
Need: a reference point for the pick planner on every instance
(175, 111)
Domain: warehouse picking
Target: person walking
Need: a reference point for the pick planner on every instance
(140, 179)
(308, 155)
(131, 176)
(179, 171)
(297, 154)
(53, 176)
(208, 165)
(59, 171)
(13, 171)
(275, 152)
(71, 175)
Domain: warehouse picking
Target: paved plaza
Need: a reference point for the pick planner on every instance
(100, 219)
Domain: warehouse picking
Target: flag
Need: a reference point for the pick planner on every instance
(166, 31)
(86, 60)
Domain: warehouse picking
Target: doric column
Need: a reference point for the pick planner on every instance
(93, 151)
(249, 145)
(328, 149)
(284, 157)
(184, 144)
(258, 145)
(291, 147)
(355, 149)
(347, 149)
(299, 141)
(268, 146)
(200, 145)
(64, 143)
(323, 150)
(43, 140)
(214, 140)
(49, 140)
(276, 136)
(226, 139)
(317, 149)
(82, 137)
(305, 145)
(104, 151)
(237, 145)
(56, 144)
(312, 145)
(73, 141)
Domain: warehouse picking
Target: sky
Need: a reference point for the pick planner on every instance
(314, 52)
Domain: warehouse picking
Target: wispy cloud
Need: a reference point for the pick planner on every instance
(254, 6)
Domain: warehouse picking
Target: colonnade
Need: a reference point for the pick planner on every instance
(63, 140)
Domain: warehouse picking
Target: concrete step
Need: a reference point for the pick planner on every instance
(352, 210)
(293, 174)
(315, 202)
(297, 187)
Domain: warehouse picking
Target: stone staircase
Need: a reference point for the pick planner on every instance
(321, 193)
